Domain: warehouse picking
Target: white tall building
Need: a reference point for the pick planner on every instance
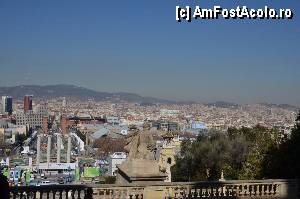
(115, 159)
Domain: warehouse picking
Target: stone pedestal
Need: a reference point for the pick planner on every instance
(139, 170)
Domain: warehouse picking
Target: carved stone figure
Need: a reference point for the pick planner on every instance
(140, 165)
(140, 145)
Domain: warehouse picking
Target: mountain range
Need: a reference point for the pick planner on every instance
(77, 92)
(71, 91)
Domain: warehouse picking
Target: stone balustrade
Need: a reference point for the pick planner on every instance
(51, 191)
(260, 189)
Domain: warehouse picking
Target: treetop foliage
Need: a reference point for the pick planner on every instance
(244, 153)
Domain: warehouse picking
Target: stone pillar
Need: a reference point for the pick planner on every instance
(69, 149)
(45, 124)
(86, 138)
(38, 150)
(30, 162)
(48, 149)
(7, 161)
(58, 147)
(64, 123)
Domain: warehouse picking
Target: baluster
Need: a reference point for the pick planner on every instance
(193, 191)
(211, 192)
(260, 189)
(126, 193)
(121, 191)
(111, 194)
(264, 189)
(15, 194)
(60, 194)
(104, 193)
(218, 191)
(245, 190)
(41, 194)
(242, 190)
(275, 189)
(204, 193)
(239, 190)
(53, 194)
(229, 190)
(34, 194)
(270, 191)
(175, 194)
(250, 189)
(222, 191)
(47, 194)
(118, 193)
(67, 193)
(170, 192)
(73, 193)
(27, 194)
(200, 192)
(115, 193)
(89, 193)
(130, 196)
(208, 191)
(21, 195)
(225, 191)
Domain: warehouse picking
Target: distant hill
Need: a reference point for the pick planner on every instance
(64, 90)
(283, 106)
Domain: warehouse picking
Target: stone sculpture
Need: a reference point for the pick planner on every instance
(140, 145)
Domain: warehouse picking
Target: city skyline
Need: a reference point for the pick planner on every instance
(138, 47)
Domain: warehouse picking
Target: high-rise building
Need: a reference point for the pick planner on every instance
(7, 106)
(27, 103)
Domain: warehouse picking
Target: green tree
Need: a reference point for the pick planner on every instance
(240, 153)
(283, 161)
(263, 141)
(20, 138)
(205, 158)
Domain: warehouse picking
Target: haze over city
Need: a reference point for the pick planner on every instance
(139, 47)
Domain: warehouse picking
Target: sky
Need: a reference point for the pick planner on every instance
(138, 46)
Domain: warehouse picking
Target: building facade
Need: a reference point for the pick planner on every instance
(7, 105)
(27, 103)
(30, 119)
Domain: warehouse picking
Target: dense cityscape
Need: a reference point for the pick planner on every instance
(64, 140)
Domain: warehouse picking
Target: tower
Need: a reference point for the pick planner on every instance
(27, 103)
(7, 106)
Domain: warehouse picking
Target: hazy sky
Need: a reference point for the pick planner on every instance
(137, 46)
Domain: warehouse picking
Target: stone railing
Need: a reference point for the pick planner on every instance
(182, 190)
(51, 191)
(264, 189)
